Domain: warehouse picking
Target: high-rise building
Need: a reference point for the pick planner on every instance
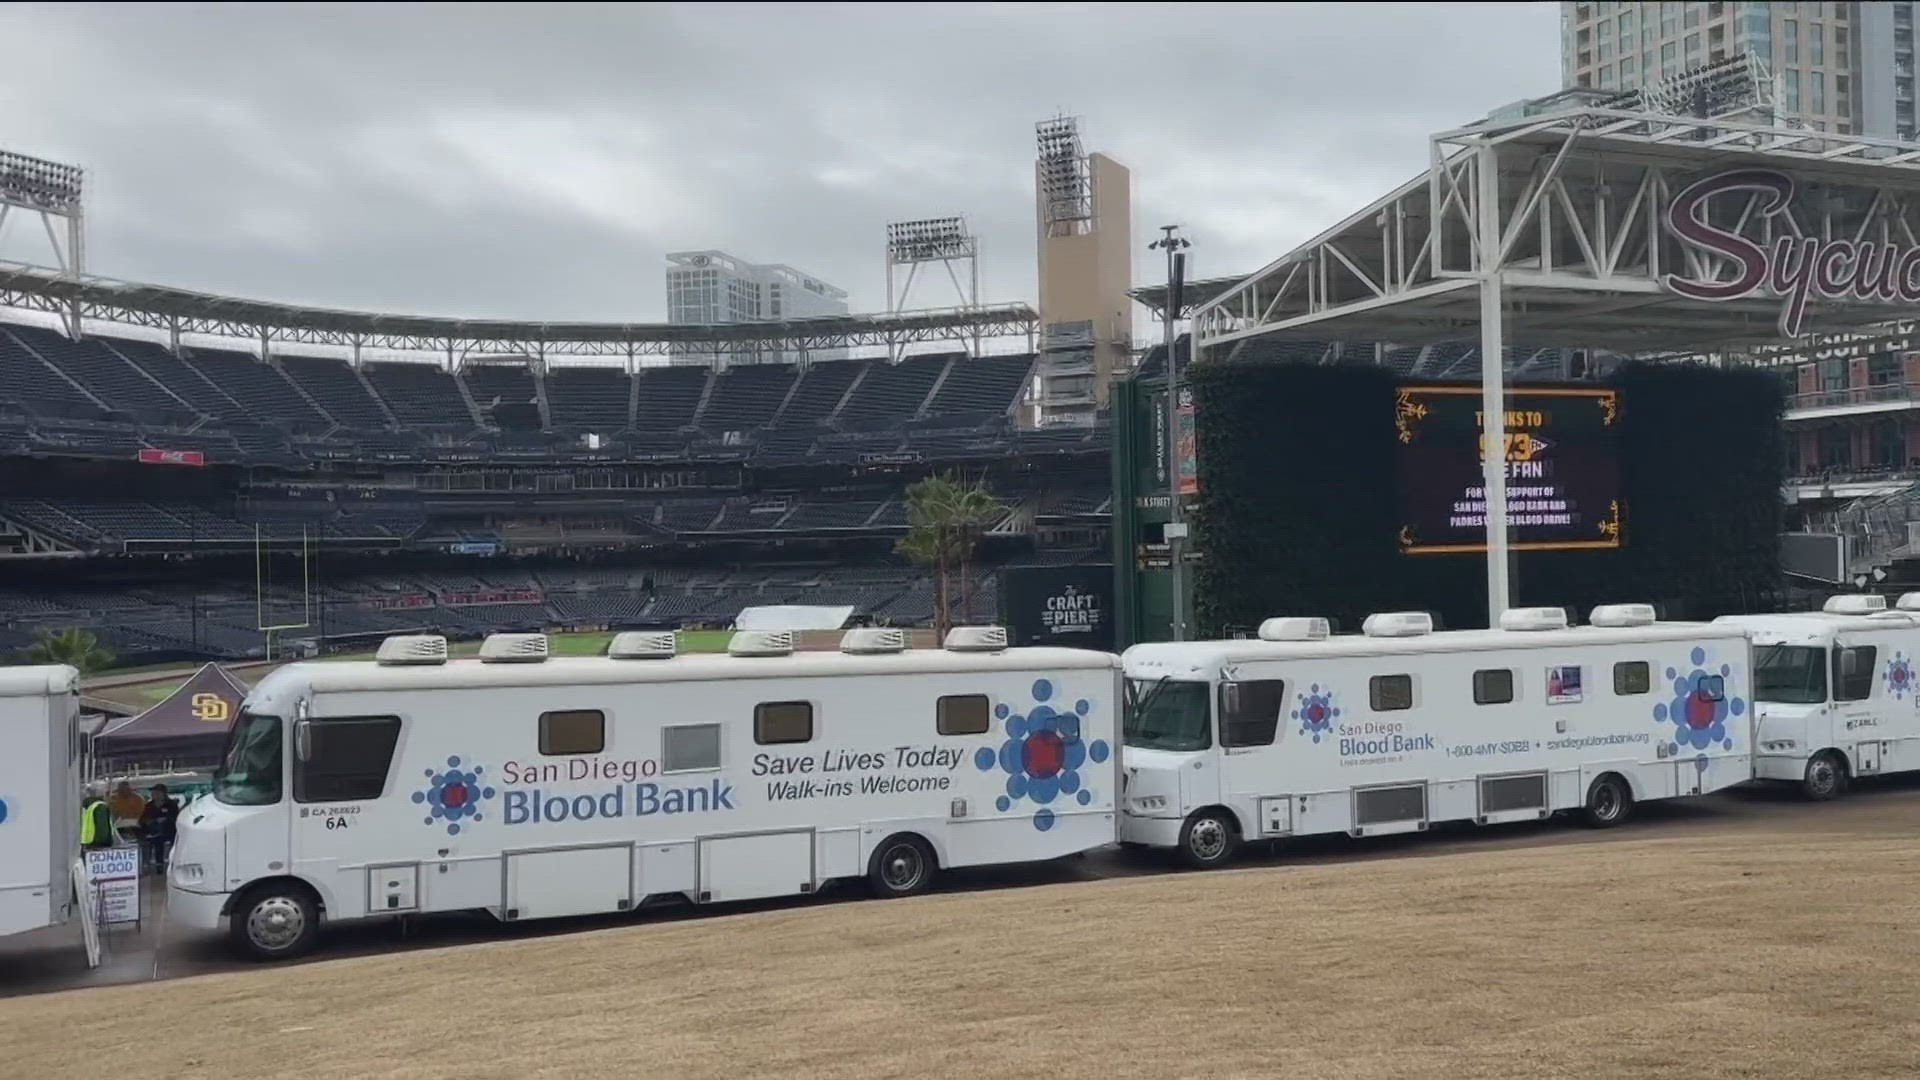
(1084, 211)
(710, 287)
(1840, 67)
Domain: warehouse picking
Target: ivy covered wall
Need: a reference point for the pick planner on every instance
(1298, 507)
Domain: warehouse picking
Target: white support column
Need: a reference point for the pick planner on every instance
(1493, 394)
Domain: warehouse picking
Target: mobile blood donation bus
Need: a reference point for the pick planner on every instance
(533, 787)
(40, 751)
(1835, 691)
(1386, 731)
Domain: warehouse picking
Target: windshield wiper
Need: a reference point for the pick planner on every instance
(1139, 704)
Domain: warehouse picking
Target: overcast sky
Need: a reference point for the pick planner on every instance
(538, 161)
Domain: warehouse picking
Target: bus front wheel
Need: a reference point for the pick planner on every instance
(1208, 839)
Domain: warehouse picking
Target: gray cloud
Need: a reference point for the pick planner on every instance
(537, 162)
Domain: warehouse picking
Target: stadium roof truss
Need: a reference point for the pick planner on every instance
(180, 312)
(1597, 226)
(1580, 237)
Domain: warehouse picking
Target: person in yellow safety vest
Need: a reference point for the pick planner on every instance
(96, 821)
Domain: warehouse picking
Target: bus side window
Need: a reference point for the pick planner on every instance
(776, 722)
(1390, 693)
(689, 747)
(1853, 673)
(1250, 711)
(963, 714)
(1493, 686)
(1632, 677)
(347, 759)
(573, 731)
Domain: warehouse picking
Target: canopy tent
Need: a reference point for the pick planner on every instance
(189, 728)
(793, 617)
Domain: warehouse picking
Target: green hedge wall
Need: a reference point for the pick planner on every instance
(1297, 511)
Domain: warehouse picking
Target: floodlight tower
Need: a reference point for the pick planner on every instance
(1066, 180)
(945, 240)
(1084, 223)
(49, 190)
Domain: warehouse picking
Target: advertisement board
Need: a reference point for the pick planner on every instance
(1563, 469)
(1065, 606)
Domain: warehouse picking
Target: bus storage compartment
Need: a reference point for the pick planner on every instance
(662, 869)
(837, 853)
(393, 889)
(1513, 797)
(1686, 776)
(751, 866)
(569, 881)
(1276, 816)
(459, 885)
(1394, 808)
(1866, 758)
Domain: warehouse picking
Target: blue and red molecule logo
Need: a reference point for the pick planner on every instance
(1700, 707)
(1042, 755)
(454, 795)
(1316, 711)
(1899, 676)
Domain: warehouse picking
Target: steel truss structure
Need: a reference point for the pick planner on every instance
(1550, 230)
(271, 328)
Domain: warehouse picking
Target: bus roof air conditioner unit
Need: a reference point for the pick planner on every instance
(1854, 604)
(1295, 628)
(411, 650)
(513, 649)
(976, 639)
(1397, 624)
(761, 643)
(1533, 618)
(1618, 615)
(642, 645)
(873, 641)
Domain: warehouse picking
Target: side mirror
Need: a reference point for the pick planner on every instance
(303, 741)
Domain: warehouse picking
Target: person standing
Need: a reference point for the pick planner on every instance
(126, 803)
(158, 823)
(96, 820)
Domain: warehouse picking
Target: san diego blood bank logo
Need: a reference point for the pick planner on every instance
(1797, 268)
(454, 796)
(1701, 707)
(1899, 676)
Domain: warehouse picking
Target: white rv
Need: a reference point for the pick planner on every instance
(533, 787)
(40, 750)
(1397, 727)
(1836, 691)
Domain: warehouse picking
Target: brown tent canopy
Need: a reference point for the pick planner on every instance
(188, 729)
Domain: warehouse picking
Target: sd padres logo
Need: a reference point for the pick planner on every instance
(211, 708)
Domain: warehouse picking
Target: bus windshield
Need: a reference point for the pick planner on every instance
(1167, 715)
(1790, 674)
(249, 772)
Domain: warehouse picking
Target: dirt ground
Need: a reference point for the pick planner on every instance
(1764, 940)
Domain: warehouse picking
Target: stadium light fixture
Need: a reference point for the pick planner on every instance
(1065, 179)
(32, 183)
(945, 240)
(48, 189)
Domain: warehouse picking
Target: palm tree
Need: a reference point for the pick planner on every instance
(945, 517)
(73, 646)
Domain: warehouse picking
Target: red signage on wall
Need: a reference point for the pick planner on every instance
(150, 456)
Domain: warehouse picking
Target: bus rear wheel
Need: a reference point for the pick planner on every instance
(902, 865)
(1609, 803)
